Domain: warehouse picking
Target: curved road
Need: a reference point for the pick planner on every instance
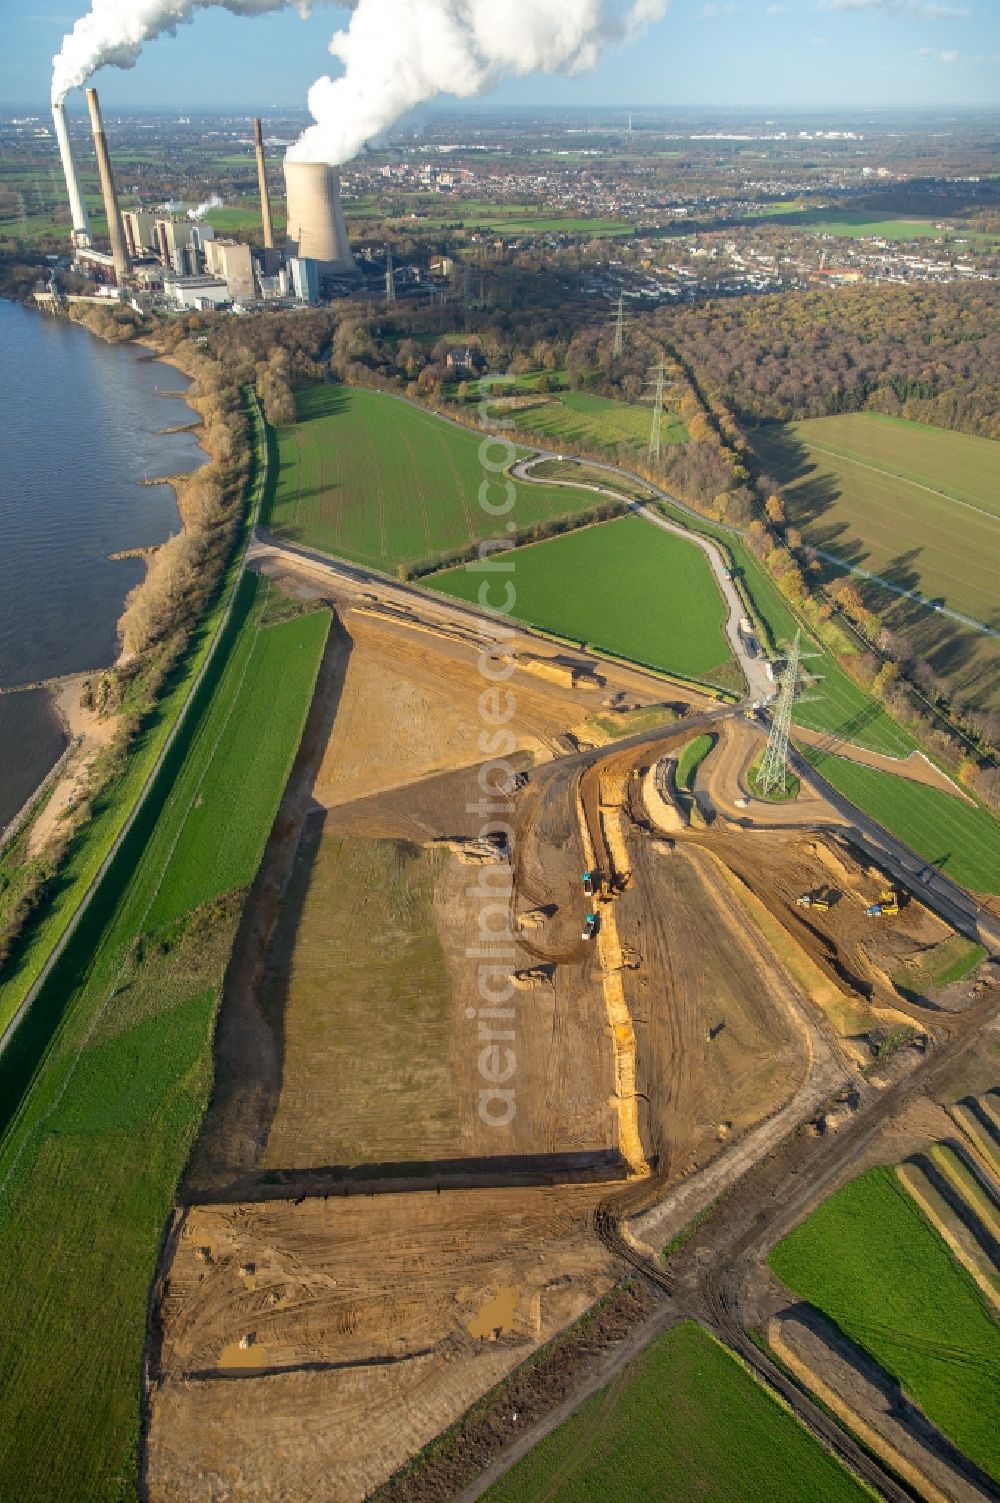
(751, 663)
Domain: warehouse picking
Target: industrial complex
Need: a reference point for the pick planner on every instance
(159, 257)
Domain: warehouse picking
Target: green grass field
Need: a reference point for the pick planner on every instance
(686, 1423)
(871, 1262)
(836, 703)
(623, 586)
(961, 839)
(232, 217)
(578, 417)
(915, 504)
(509, 219)
(373, 479)
(850, 224)
(89, 1164)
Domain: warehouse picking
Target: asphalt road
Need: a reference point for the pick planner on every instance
(931, 886)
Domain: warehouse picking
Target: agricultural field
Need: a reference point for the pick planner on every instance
(356, 951)
(851, 225)
(856, 484)
(664, 634)
(89, 1166)
(685, 1410)
(959, 838)
(230, 218)
(369, 478)
(577, 586)
(510, 218)
(580, 418)
(836, 703)
(912, 1307)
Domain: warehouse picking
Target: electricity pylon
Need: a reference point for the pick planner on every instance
(774, 768)
(654, 432)
(619, 346)
(390, 278)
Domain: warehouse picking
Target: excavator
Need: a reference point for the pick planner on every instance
(887, 905)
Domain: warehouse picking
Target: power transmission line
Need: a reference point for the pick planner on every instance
(619, 345)
(390, 277)
(773, 773)
(654, 432)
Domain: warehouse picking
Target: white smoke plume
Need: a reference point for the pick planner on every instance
(398, 53)
(215, 202)
(113, 32)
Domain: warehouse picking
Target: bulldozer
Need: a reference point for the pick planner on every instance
(809, 900)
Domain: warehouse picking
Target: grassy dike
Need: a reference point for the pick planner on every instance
(105, 1082)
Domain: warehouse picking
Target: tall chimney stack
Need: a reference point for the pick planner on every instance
(77, 207)
(116, 229)
(265, 197)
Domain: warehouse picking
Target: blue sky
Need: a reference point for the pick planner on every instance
(764, 53)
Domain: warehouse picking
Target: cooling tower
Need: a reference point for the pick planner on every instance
(77, 207)
(116, 231)
(316, 230)
(265, 197)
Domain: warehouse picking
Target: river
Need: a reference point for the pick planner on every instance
(81, 423)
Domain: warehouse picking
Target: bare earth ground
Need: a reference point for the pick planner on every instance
(360, 1254)
(376, 1319)
(92, 732)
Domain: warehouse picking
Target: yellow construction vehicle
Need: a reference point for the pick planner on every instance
(807, 900)
(887, 905)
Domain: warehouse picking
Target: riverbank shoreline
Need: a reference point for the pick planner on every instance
(64, 782)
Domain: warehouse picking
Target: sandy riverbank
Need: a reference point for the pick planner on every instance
(89, 733)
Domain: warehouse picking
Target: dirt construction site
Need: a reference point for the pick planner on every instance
(493, 967)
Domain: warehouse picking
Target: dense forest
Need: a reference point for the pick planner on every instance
(929, 353)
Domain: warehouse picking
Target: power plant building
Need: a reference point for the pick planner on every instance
(198, 293)
(140, 232)
(304, 275)
(199, 271)
(180, 243)
(316, 229)
(232, 261)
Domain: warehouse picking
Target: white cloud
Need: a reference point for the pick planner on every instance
(932, 55)
(715, 8)
(779, 10)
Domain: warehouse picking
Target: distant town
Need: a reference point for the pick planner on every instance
(655, 208)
